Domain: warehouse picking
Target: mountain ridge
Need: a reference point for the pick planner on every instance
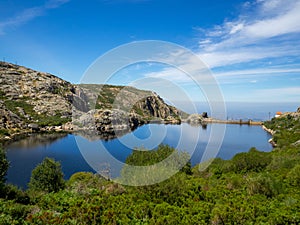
(31, 100)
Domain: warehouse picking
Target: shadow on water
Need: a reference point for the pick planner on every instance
(36, 140)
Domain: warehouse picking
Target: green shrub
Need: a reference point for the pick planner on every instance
(293, 176)
(264, 184)
(12, 213)
(253, 160)
(4, 132)
(47, 177)
(11, 192)
(219, 166)
(155, 164)
(3, 166)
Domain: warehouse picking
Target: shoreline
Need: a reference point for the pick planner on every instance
(60, 129)
(238, 122)
(272, 132)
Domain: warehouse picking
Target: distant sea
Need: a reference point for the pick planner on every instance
(256, 111)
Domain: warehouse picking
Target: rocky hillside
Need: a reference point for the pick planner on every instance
(28, 96)
(287, 125)
(146, 104)
(35, 100)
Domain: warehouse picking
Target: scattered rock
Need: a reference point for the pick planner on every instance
(204, 115)
(114, 189)
(9, 120)
(272, 142)
(272, 132)
(34, 127)
(297, 143)
(195, 119)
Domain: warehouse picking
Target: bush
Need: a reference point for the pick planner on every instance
(11, 192)
(47, 177)
(154, 165)
(4, 132)
(293, 176)
(264, 184)
(12, 213)
(3, 166)
(253, 160)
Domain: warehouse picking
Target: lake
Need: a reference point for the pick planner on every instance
(72, 150)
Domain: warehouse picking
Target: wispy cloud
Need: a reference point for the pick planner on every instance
(271, 31)
(124, 1)
(273, 94)
(260, 72)
(170, 73)
(29, 14)
(246, 53)
(254, 37)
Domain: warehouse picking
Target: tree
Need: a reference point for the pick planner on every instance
(293, 176)
(3, 166)
(47, 177)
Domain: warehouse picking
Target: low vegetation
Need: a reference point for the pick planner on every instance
(47, 177)
(30, 115)
(251, 188)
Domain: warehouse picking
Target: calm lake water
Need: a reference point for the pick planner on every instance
(24, 155)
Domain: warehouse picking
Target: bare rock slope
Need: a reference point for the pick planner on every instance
(32, 99)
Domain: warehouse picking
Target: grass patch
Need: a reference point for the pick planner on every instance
(4, 132)
(43, 119)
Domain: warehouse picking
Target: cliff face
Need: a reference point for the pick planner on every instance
(146, 104)
(31, 99)
(9, 120)
(29, 96)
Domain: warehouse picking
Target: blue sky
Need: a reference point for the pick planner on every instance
(251, 47)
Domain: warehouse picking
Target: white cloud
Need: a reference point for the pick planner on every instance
(206, 41)
(52, 4)
(279, 25)
(29, 14)
(269, 33)
(257, 72)
(273, 94)
(236, 28)
(274, 7)
(124, 1)
(171, 74)
(237, 38)
(226, 57)
(284, 94)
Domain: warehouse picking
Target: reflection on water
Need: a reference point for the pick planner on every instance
(64, 148)
(36, 140)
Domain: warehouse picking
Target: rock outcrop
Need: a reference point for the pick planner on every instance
(195, 119)
(32, 97)
(37, 101)
(46, 93)
(9, 120)
(106, 124)
(146, 104)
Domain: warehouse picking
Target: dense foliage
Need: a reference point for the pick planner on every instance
(287, 129)
(251, 188)
(3, 169)
(47, 177)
